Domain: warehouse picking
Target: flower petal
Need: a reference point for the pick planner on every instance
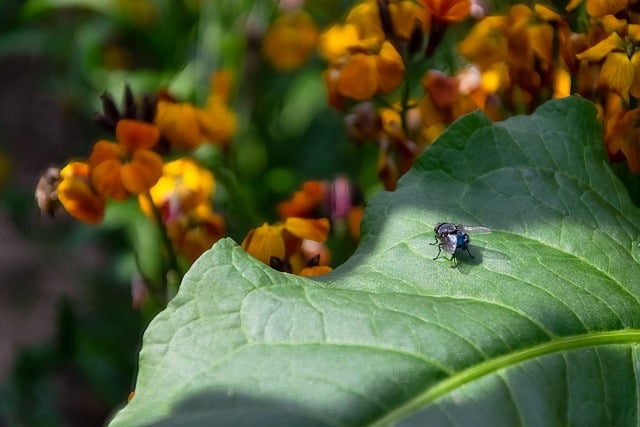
(217, 123)
(600, 8)
(390, 68)
(107, 180)
(365, 16)
(359, 77)
(265, 242)
(337, 40)
(105, 150)
(448, 10)
(136, 135)
(561, 82)
(178, 123)
(617, 73)
(602, 49)
(290, 40)
(312, 229)
(142, 172)
(76, 194)
(635, 63)
(318, 270)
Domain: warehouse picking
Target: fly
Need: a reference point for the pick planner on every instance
(451, 237)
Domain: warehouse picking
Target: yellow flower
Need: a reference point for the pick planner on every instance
(620, 60)
(338, 41)
(619, 71)
(405, 16)
(485, 43)
(182, 186)
(77, 195)
(128, 166)
(183, 195)
(282, 242)
(524, 40)
(290, 40)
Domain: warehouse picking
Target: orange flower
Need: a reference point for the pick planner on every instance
(290, 40)
(600, 8)
(186, 126)
(362, 63)
(178, 124)
(338, 199)
(217, 121)
(448, 11)
(404, 16)
(364, 74)
(622, 131)
(444, 102)
(128, 166)
(282, 242)
(77, 195)
(519, 50)
(196, 231)
(305, 203)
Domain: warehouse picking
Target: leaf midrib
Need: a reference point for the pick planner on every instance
(493, 365)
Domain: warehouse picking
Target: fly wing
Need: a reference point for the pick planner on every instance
(471, 229)
(450, 243)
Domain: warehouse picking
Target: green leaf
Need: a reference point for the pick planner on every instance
(541, 327)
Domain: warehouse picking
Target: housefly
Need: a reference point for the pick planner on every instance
(451, 237)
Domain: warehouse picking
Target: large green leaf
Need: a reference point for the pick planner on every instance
(540, 328)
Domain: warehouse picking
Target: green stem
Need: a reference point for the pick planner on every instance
(171, 265)
(155, 294)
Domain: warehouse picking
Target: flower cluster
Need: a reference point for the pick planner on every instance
(380, 69)
(608, 72)
(151, 160)
(371, 62)
(530, 55)
(140, 163)
(398, 71)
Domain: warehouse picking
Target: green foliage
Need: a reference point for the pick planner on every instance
(539, 328)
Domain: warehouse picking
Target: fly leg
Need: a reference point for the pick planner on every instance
(467, 249)
(439, 250)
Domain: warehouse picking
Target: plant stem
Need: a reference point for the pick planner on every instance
(171, 262)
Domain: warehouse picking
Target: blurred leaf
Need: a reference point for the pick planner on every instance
(540, 328)
(34, 7)
(143, 235)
